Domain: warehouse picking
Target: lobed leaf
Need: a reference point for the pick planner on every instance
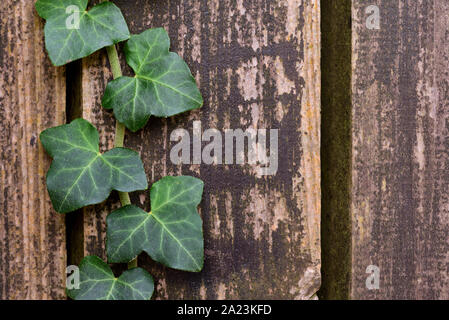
(171, 233)
(163, 85)
(101, 26)
(80, 175)
(97, 282)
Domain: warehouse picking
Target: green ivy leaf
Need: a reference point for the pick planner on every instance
(171, 233)
(99, 27)
(80, 175)
(163, 85)
(97, 282)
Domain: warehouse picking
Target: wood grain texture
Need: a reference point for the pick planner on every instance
(32, 98)
(257, 65)
(400, 136)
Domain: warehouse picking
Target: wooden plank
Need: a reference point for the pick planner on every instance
(400, 177)
(257, 65)
(32, 98)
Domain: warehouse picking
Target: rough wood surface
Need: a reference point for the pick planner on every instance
(400, 176)
(32, 98)
(257, 65)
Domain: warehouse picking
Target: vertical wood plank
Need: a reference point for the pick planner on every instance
(400, 177)
(32, 98)
(257, 65)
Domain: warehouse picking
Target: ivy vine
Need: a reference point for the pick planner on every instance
(79, 175)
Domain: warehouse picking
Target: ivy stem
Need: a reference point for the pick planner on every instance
(114, 61)
(119, 127)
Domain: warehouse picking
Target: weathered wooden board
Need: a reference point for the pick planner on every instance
(32, 98)
(400, 144)
(257, 65)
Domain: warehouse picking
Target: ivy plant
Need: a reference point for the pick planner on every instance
(68, 40)
(80, 175)
(99, 283)
(170, 233)
(163, 85)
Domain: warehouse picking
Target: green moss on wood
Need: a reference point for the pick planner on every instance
(336, 149)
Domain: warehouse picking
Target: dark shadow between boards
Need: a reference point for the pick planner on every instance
(335, 149)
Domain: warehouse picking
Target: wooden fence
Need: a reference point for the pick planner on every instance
(383, 229)
(385, 151)
(256, 66)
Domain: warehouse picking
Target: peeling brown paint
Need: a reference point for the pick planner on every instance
(257, 65)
